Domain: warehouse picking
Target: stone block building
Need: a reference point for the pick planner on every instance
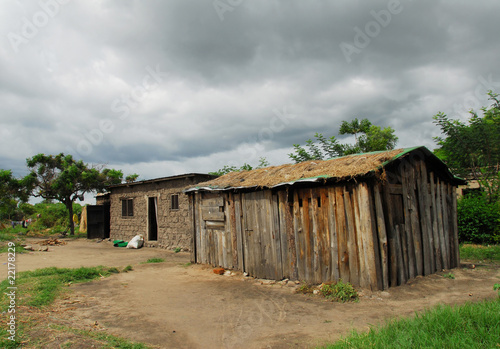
(157, 208)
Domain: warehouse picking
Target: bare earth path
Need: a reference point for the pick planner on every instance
(174, 305)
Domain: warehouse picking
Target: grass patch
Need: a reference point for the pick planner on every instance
(480, 253)
(40, 287)
(18, 248)
(127, 269)
(106, 340)
(177, 249)
(449, 276)
(155, 260)
(472, 325)
(339, 292)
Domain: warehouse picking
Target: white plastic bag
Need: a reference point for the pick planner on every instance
(136, 242)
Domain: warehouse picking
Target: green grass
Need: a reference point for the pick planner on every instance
(18, 249)
(40, 287)
(155, 260)
(472, 325)
(480, 253)
(109, 341)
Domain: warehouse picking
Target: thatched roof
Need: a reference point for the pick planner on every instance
(342, 168)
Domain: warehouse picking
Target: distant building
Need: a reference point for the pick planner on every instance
(155, 208)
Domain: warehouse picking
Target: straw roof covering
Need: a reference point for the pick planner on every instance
(341, 168)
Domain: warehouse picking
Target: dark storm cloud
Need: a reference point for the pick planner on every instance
(162, 87)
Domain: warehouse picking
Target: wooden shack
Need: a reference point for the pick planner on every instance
(375, 220)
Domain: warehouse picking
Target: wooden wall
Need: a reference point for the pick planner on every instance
(372, 234)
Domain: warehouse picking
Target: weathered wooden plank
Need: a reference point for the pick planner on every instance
(308, 234)
(354, 244)
(399, 221)
(283, 236)
(435, 228)
(367, 234)
(197, 229)
(231, 229)
(290, 233)
(298, 219)
(395, 188)
(239, 231)
(415, 221)
(248, 232)
(341, 234)
(334, 255)
(276, 238)
(394, 248)
(399, 234)
(212, 200)
(315, 241)
(425, 216)
(382, 235)
(454, 222)
(324, 230)
(215, 224)
(442, 239)
(408, 236)
(446, 225)
(212, 213)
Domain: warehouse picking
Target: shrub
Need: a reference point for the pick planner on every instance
(478, 219)
(340, 291)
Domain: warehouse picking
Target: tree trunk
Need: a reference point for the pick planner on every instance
(69, 206)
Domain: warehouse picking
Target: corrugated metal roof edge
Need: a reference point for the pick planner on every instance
(161, 179)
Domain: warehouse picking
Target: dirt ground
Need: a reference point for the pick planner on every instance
(177, 305)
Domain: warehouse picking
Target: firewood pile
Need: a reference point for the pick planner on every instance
(52, 242)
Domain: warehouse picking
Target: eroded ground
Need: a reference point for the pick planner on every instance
(177, 305)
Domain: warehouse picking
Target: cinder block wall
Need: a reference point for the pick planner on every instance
(175, 228)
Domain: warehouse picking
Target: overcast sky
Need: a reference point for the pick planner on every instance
(161, 88)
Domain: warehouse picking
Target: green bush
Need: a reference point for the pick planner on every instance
(339, 291)
(478, 219)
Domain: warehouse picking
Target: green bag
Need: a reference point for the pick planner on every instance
(120, 243)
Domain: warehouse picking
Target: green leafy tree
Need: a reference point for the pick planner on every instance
(245, 167)
(131, 178)
(472, 149)
(371, 138)
(64, 179)
(11, 192)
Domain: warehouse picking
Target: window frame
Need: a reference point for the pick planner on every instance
(127, 207)
(174, 202)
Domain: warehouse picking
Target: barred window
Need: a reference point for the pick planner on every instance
(127, 207)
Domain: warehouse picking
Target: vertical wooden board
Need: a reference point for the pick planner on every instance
(435, 228)
(231, 227)
(446, 225)
(399, 233)
(381, 227)
(408, 238)
(315, 219)
(454, 223)
(415, 221)
(298, 220)
(248, 227)
(259, 236)
(283, 236)
(308, 235)
(239, 232)
(442, 241)
(376, 243)
(425, 216)
(324, 230)
(290, 234)
(359, 228)
(394, 247)
(353, 263)
(367, 235)
(341, 234)
(197, 228)
(420, 197)
(332, 228)
(276, 238)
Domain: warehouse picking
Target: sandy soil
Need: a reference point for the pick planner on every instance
(175, 305)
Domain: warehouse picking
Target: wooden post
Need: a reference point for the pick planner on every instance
(382, 234)
(409, 248)
(355, 266)
(334, 244)
(435, 228)
(341, 232)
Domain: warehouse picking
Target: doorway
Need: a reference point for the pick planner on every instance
(152, 219)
